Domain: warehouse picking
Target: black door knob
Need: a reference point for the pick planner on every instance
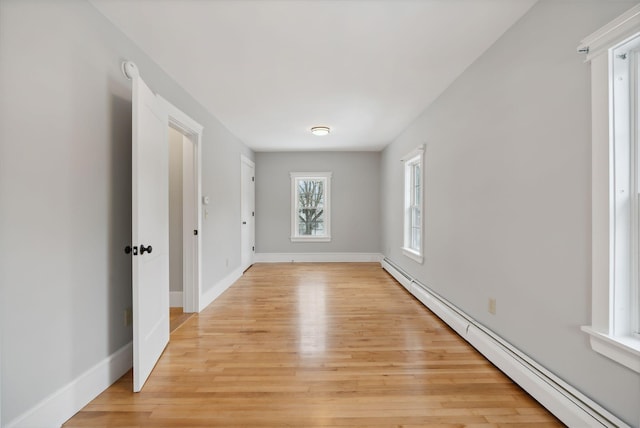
(144, 249)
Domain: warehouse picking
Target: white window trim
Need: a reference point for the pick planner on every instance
(417, 256)
(327, 206)
(620, 346)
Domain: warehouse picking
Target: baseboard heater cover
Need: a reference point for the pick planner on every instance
(564, 401)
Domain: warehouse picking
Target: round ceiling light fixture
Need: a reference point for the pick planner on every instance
(320, 130)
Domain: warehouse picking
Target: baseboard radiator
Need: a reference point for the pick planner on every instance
(567, 403)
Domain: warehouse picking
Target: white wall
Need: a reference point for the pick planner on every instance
(175, 210)
(65, 198)
(355, 201)
(507, 183)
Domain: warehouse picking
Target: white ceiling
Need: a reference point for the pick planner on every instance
(270, 70)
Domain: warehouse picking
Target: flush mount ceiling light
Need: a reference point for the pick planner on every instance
(320, 130)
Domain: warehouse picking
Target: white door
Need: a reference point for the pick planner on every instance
(247, 188)
(150, 230)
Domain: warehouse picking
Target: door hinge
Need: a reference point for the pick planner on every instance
(253, 214)
(253, 248)
(253, 179)
(195, 232)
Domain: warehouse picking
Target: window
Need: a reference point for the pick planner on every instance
(310, 206)
(624, 123)
(413, 206)
(614, 53)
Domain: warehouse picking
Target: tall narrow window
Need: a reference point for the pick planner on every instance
(625, 123)
(413, 204)
(635, 288)
(614, 53)
(310, 206)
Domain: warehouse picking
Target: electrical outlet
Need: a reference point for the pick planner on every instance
(128, 317)
(492, 306)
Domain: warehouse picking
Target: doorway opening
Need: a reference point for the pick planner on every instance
(185, 221)
(180, 194)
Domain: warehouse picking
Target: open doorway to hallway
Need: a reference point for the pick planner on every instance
(183, 232)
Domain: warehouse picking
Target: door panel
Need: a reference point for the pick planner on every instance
(150, 229)
(247, 235)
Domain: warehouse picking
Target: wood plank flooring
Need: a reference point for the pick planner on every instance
(176, 318)
(317, 345)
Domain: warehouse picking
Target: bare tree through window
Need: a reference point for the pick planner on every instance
(310, 207)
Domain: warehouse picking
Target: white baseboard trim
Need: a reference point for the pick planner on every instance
(317, 257)
(563, 400)
(57, 408)
(218, 288)
(175, 299)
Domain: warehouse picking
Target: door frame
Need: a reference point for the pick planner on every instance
(192, 214)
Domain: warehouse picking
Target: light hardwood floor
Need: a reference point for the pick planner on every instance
(176, 318)
(310, 345)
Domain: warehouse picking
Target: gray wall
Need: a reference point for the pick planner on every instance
(355, 201)
(508, 196)
(175, 210)
(65, 198)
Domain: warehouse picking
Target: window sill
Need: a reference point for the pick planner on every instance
(624, 350)
(412, 254)
(310, 239)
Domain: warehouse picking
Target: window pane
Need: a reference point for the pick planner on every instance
(416, 184)
(413, 201)
(415, 217)
(415, 239)
(636, 287)
(310, 207)
(415, 228)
